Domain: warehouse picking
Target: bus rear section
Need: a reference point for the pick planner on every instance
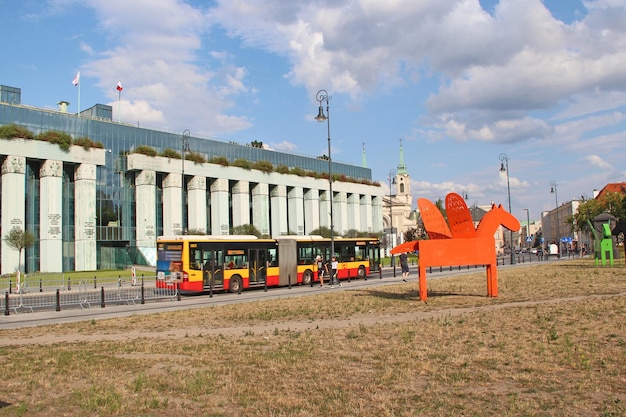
(169, 264)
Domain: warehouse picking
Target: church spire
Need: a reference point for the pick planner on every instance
(363, 160)
(401, 170)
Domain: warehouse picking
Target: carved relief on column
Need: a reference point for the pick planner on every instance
(51, 168)
(14, 165)
(197, 183)
(145, 178)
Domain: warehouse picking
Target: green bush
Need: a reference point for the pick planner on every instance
(242, 163)
(170, 153)
(282, 169)
(220, 160)
(15, 131)
(62, 139)
(145, 150)
(297, 171)
(196, 157)
(87, 143)
(265, 166)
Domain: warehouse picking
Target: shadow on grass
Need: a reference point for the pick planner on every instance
(413, 295)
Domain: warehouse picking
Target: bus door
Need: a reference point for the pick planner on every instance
(374, 257)
(257, 264)
(212, 269)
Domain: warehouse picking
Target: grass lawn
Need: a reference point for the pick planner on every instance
(552, 344)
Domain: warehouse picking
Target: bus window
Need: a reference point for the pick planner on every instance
(195, 259)
(236, 259)
(272, 259)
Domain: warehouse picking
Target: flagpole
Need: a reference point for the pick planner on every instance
(78, 99)
(119, 99)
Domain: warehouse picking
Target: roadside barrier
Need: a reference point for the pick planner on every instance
(61, 295)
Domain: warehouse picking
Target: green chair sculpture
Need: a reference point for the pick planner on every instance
(602, 244)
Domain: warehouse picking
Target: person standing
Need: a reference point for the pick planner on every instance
(334, 266)
(404, 265)
(321, 266)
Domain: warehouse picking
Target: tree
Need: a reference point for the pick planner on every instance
(19, 240)
(322, 231)
(245, 229)
(612, 203)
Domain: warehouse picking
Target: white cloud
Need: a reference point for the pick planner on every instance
(597, 161)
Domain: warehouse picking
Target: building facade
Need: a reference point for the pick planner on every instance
(95, 208)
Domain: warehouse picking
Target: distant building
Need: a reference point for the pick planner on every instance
(103, 208)
(397, 207)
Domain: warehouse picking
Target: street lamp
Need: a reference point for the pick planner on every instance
(185, 148)
(527, 226)
(504, 167)
(392, 180)
(323, 97)
(556, 201)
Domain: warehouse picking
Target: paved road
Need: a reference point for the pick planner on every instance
(40, 318)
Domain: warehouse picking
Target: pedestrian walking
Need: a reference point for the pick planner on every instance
(404, 265)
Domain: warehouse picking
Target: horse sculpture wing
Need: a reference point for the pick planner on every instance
(461, 223)
(434, 223)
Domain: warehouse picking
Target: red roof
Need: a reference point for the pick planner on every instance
(617, 187)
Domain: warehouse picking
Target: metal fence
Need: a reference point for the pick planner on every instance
(34, 293)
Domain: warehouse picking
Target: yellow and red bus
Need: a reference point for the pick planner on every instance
(198, 263)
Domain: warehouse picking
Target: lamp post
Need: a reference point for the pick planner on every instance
(323, 97)
(556, 213)
(185, 148)
(527, 226)
(504, 167)
(392, 180)
(474, 212)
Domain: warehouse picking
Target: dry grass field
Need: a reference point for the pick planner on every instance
(552, 344)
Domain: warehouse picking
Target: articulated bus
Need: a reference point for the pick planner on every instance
(198, 263)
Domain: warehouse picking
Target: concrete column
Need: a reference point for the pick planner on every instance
(241, 203)
(340, 212)
(261, 208)
(295, 209)
(85, 218)
(172, 206)
(145, 218)
(311, 211)
(367, 222)
(278, 200)
(324, 200)
(354, 212)
(377, 214)
(196, 197)
(51, 216)
(219, 207)
(13, 209)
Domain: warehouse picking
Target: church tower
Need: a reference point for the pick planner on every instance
(403, 181)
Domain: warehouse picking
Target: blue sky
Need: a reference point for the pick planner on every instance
(458, 81)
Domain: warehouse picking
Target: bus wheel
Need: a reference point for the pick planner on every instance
(235, 284)
(307, 277)
(361, 272)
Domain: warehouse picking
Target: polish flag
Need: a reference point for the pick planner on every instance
(119, 86)
(76, 79)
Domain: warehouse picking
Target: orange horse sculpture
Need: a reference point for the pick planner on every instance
(458, 243)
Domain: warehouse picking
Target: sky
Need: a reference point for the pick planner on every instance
(456, 83)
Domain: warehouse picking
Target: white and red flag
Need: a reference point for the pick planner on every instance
(119, 86)
(76, 79)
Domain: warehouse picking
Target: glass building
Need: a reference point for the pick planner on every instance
(98, 208)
